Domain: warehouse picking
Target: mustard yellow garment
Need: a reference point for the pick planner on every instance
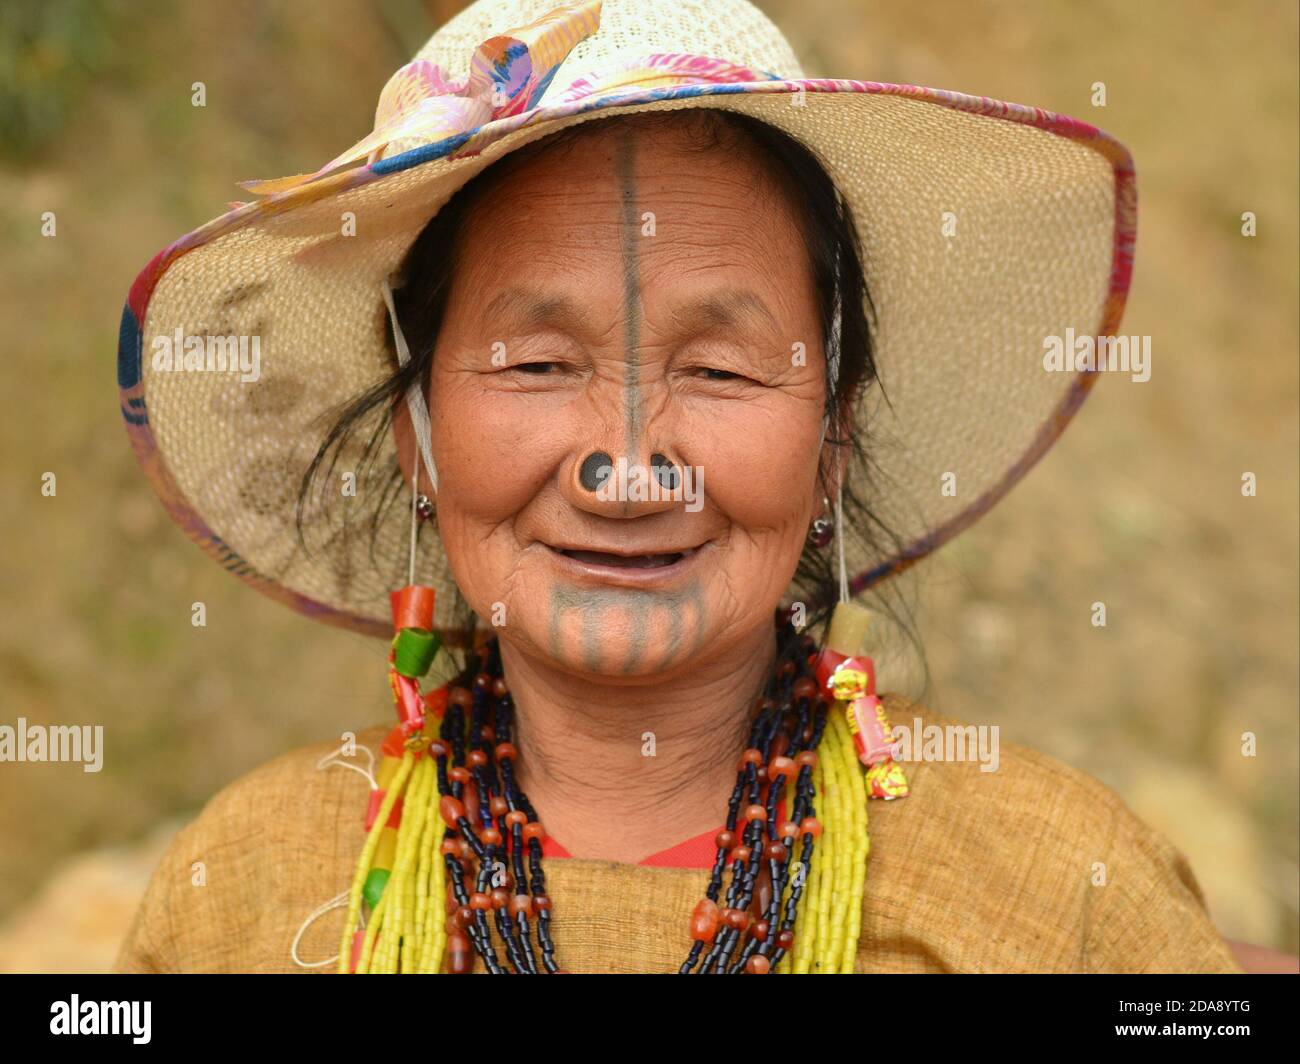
(973, 872)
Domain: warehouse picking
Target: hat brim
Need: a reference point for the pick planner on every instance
(987, 227)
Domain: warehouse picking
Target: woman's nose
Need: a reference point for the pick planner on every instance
(618, 486)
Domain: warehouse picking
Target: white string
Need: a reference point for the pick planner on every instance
(334, 903)
(839, 535)
(415, 498)
(333, 757)
(414, 395)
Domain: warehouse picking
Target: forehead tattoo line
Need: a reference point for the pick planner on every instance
(631, 295)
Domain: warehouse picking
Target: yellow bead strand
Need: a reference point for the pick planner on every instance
(855, 771)
(830, 836)
(430, 838)
(418, 893)
(413, 812)
(833, 940)
(841, 854)
(368, 943)
(412, 944)
(433, 879)
(397, 785)
(857, 862)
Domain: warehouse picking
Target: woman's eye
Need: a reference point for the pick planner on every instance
(712, 374)
(536, 368)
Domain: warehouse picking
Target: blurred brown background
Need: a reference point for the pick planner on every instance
(1139, 506)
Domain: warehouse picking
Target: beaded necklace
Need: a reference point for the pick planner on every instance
(453, 847)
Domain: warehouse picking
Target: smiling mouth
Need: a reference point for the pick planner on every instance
(626, 561)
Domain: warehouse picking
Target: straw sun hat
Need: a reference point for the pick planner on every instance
(987, 228)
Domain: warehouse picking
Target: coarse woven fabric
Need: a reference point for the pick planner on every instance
(988, 228)
(972, 872)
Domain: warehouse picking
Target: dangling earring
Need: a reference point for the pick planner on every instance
(848, 675)
(822, 530)
(415, 640)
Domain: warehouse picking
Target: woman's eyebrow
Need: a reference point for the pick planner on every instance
(529, 307)
(726, 307)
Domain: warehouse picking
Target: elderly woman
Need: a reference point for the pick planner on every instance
(616, 342)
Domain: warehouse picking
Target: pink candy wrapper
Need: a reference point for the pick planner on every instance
(872, 735)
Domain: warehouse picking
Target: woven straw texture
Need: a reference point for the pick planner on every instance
(1043, 208)
(724, 29)
(972, 872)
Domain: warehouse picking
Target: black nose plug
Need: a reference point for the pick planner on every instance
(665, 471)
(596, 469)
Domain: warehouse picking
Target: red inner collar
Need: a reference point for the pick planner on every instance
(698, 852)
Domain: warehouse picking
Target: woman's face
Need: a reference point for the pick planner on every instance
(617, 301)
